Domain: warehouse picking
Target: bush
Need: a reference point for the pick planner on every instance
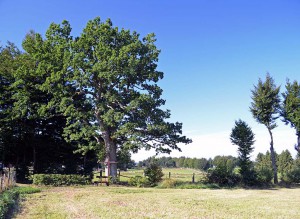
(139, 181)
(59, 179)
(220, 177)
(10, 197)
(264, 175)
(168, 183)
(171, 183)
(7, 201)
(154, 174)
(294, 175)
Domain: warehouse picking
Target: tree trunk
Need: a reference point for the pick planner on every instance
(110, 150)
(273, 158)
(297, 147)
(111, 157)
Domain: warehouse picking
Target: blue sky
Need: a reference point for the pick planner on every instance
(212, 53)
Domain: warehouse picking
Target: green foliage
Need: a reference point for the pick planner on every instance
(293, 176)
(265, 103)
(124, 160)
(222, 178)
(169, 162)
(26, 190)
(223, 171)
(171, 183)
(285, 164)
(139, 181)
(96, 94)
(154, 174)
(263, 168)
(242, 136)
(168, 183)
(59, 179)
(10, 197)
(290, 109)
(7, 200)
(265, 107)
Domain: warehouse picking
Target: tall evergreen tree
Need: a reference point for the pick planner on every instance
(290, 109)
(285, 164)
(265, 107)
(242, 136)
(263, 168)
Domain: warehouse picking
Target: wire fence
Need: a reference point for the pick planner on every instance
(193, 177)
(7, 178)
(184, 175)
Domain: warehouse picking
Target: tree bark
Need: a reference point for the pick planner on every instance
(273, 158)
(110, 150)
(111, 157)
(297, 147)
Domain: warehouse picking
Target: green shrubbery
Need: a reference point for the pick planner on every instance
(139, 181)
(171, 183)
(59, 179)
(7, 201)
(168, 183)
(294, 175)
(223, 172)
(154, 174)
(10, 197)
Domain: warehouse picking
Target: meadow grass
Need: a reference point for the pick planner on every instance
(125, 202)
(179, 174)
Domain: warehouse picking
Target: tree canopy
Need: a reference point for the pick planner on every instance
(265, 107)
(290, 110)
(242, 136)
(100, 87)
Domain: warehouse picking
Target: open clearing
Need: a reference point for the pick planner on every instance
(123, 202)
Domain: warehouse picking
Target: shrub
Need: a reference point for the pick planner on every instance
(59, 179)
(168, 183)
(263, 168)
(139, 181)
(294, 175)
(154, 174)
(220, 177)
(10, 197)
(264, 175)
(7, 201)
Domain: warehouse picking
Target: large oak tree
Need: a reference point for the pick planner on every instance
(106, 84)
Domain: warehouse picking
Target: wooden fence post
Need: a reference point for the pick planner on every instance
(193, 178)
(169, 175)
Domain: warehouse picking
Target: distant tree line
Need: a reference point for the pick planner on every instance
(226, 170)
(186, 162)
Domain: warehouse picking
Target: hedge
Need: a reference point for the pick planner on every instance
(59, 179)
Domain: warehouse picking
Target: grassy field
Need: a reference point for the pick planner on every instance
(180, 174)
(93, 202)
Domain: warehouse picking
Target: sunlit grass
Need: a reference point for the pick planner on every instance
(179, 174)
(124, 202)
